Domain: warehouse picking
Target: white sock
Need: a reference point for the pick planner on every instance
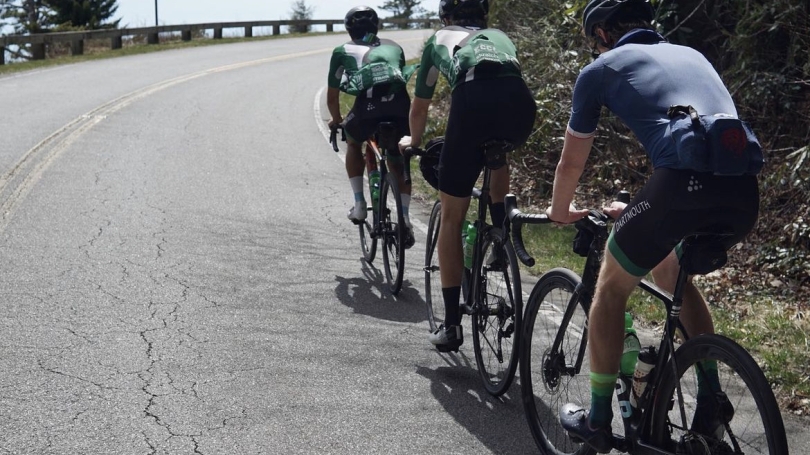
(357, 188)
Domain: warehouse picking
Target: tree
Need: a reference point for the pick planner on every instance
(25, 16)
(405, 9)
(90, 14)
(301, 12)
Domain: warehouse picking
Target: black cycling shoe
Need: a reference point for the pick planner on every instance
(447, 339)
(574, 419)
(711, 416)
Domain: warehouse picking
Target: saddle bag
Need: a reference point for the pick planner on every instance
(717, 143)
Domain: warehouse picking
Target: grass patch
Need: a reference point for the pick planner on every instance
(99, 51)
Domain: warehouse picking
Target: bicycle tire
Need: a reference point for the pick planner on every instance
(392, 228)
(433, 282)
(756, 423)
(553, 342)
(368, 241)
(497, 322)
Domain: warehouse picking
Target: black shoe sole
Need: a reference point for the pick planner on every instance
(447, 347)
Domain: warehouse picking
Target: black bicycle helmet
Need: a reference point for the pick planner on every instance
(361, 20)
(600, 11)
(447, 7)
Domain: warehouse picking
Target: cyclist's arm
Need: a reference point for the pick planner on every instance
(569, 169)
(333, 104)
(418, 119)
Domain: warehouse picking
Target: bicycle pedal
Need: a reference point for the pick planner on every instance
(467, 309)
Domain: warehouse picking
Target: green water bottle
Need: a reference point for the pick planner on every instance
(631, 347)
(374, 186)
(469, 243)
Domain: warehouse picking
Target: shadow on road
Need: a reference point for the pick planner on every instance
(499, 423)
(369, 295)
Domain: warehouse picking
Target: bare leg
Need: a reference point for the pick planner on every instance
(354, 159)
(451, 255)
(606, 319)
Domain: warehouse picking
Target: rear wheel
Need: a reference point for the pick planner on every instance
(746, 411)
(553, 364)
(392, 228)
(496, 324)
(433, 282)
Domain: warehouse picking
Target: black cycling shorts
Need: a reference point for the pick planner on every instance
(480, 111)
(361, 122)
(676, 203)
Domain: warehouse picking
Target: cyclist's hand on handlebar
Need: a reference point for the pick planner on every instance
(404, 143)
(574, 214)
(614, 209)
(335, 123)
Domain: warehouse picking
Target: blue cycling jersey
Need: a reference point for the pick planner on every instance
(638, 80)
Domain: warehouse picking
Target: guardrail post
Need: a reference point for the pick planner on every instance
(116, 42)
(77, 47)
(38, 51)
(218, 33)
(248, 31)
(152, 38)
(185, 35)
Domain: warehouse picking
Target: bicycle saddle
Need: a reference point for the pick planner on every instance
(495, 152)
(387, 136)
(704, 252)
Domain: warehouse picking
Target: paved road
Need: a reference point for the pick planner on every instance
(179, 277)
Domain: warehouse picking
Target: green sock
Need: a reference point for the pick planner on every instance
(708, 378)
(602, 387)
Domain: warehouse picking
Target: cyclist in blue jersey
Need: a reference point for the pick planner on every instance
(374, 71)
(490, 101)
(638, 76)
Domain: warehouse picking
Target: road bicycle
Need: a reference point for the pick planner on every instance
(386, 222)
(554, 366)
(491, 286)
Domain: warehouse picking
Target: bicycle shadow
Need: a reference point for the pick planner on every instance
(498, 423)
(369, 295)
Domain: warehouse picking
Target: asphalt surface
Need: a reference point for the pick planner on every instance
(178, 275)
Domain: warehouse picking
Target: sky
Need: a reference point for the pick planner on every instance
(141, 13)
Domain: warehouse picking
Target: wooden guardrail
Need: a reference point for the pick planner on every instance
(40, 41)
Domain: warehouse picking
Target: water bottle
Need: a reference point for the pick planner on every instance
(627, 366)
(469, 243)
(631, 347)
(645, 364)
(374, 186)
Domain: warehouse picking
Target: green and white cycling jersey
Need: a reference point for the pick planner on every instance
(356, 66)
(463, 54)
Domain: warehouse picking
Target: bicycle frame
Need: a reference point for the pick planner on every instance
(481, 227)
(635, 425)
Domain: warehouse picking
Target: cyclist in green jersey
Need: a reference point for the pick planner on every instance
(490, 101)
(373, 70)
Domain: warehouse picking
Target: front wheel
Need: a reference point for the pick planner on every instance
(433, 282)
(496, 323)
(743, 418)
(553, 368)
(392, 225)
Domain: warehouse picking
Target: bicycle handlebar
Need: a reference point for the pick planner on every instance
(408, 153)
(516, 220)
(333, 136)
